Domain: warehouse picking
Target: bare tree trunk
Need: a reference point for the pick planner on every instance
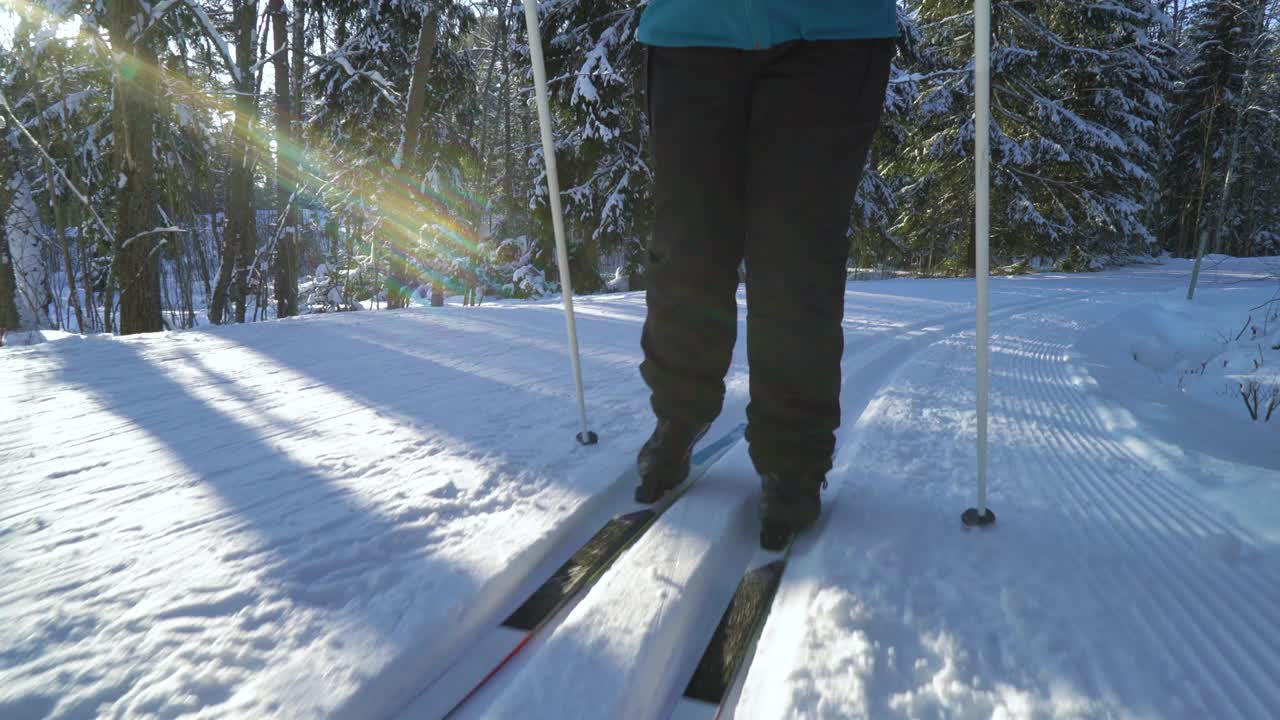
(241, 233)
(226, 269)
(507, 150)
(60, 217)
(299, 63)
(201, 253)
(1237, 127)
(1250, 225)
(486, 127)
(83, 248)
(483, 219)
(60, 228)
(321, 31)
(353, 229)
(417, 104)
(60, 222)
(405, 239)
(286, 169)
(137, 84)
(340, 33)
(9, 317)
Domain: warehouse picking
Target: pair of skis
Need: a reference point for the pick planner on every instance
(720, 671)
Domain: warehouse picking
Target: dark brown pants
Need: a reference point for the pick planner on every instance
(757, 155)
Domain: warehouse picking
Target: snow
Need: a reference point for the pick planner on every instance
(316, 517)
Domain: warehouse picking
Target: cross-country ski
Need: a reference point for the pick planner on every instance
(491, 653)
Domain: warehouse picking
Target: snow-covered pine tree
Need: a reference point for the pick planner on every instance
(875, 208)
(1223, 120)
(1257, 195)
(594, 76)
(506, 135)
(1076, 91)
(410, 223)
(1212, 75)
(59, 85)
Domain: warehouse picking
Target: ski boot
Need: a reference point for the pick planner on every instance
(663, 462)
(788, 506)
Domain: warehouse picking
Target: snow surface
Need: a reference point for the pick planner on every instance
(315, 517)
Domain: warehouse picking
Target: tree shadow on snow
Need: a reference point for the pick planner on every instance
(321, 544)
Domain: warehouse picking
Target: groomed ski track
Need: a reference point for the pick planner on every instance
(928, 619)
(357, 514)
(1161, 606)
(639, 633)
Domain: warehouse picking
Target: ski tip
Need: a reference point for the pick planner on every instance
(973, 518)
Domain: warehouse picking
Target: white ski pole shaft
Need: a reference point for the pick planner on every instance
(557, 217)
(982, 201)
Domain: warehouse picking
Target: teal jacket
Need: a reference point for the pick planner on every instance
(757, 24)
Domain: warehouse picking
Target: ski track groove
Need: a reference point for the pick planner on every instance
(1080, 515)
(1204, 647)
(1170, 491)
(1151, 494)
(1082, 497)
(1114, 678)
(877, 370)
(1136, 511)
(580, 527)
(1108, 682)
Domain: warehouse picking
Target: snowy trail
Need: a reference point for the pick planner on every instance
(314, 518)
(873, 337)
(640, 632)
(1110, 587)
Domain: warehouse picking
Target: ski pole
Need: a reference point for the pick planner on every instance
(981, 515)
(586, 437)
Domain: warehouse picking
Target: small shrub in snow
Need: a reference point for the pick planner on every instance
(1251, 366)
(1221, 362)
(1260, 400)
(515, 259)
(323, 292)
(1077, 260)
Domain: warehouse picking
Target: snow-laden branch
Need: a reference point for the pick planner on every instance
(4, 101)
(921, 77)
(339, 58)
(156, 13)
(153, 231)
(254, 68)
(215, 37)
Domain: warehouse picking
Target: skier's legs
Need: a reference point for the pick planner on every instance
(698, 107)
(814, 112)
